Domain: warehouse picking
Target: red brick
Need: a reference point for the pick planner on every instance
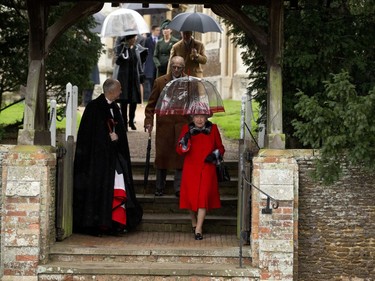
(264, 275)
(34, 226)
(287, 210)
(16, 213)
(264, 230)
(26, 258)
(18, 200)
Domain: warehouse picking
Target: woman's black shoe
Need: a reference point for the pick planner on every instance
(198, 236)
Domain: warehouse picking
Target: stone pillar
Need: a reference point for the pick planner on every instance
(28, 211)
(274, 236)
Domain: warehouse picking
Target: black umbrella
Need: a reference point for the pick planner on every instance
(194, 22)
(147, 10)
(147, 166)
(99, 19)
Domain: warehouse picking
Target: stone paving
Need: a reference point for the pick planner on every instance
(154, 240)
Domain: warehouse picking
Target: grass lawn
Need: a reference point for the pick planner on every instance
(15, 113)
(229, 121)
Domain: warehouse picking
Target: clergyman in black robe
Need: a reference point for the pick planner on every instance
(102, 153)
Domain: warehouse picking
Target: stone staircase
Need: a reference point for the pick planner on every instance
(163, 247)
(163, 213)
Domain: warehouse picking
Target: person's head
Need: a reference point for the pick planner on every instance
(131, 39)
(200, 120)
(155, 30)
(166, 32)
(164, 24)
(177, 66)
(112, 89)
(186, 36)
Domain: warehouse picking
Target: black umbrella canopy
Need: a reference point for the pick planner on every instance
(147, 9)
(99, 19)
(194, 22)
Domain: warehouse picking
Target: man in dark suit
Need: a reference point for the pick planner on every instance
(168, 129)
(149, 67)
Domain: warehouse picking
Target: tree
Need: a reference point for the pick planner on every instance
(321, 38)
(13, 47)
(340, 122)
(70, 59)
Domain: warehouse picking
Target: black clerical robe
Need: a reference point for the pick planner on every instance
(95, 162)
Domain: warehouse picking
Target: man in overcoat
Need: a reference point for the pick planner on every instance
(149, 67)
(168, 129)
(193, 53)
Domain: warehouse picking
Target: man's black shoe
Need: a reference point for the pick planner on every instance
(177, 194)
(159, 193)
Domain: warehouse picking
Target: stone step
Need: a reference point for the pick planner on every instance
(138, 167)
(169, 204)
(181, 223)
(192, 260)
(158, 255)
(145, 271)
(226, 188)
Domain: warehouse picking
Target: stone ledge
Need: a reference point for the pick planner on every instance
(149, 269)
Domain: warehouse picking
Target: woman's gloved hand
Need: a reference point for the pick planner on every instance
(184, 141)
(213, 157)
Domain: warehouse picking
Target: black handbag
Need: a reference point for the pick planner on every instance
(222, 172)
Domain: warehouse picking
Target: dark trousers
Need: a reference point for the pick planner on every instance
(124, 112)
(147, 88)
(161, 176)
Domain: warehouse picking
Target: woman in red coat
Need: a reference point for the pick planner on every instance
(200, 143)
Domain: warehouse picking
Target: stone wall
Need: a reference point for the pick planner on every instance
(336, 227)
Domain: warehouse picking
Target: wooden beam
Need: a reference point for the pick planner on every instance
(77, 12)
(234, 14)
(200, 2)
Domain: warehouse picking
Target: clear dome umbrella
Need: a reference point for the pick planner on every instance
(122, 22)
(188, 96)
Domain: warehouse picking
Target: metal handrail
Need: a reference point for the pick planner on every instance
(275, 203)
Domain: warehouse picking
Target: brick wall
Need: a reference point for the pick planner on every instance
(336, 227)
(274, 236)
(28, 210)
(3, 150)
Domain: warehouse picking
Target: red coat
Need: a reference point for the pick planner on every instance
(199, 186)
